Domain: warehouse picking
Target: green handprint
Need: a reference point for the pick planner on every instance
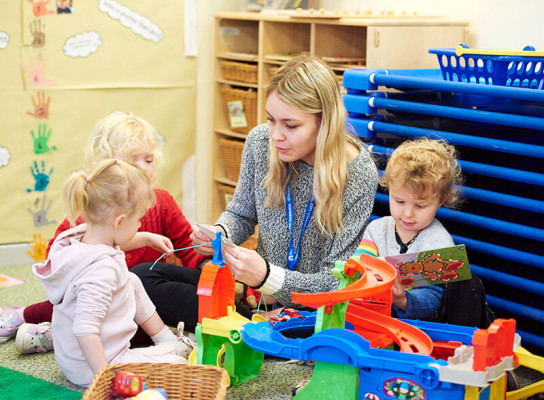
(40, 142)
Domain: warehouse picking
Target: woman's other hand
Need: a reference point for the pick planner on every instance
(199, 237)
(246, 265)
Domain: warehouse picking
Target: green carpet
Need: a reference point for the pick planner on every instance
(16, 385)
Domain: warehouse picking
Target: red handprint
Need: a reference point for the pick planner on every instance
(39, 8)
(36, 74)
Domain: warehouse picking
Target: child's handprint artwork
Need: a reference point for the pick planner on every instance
(36, 72)
(40, 177)
(39, 247)
(38, 36)
(39, 8)
(40, 213)
(40, 141)
(41, 105)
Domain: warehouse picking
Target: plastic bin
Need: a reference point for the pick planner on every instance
(500, 70)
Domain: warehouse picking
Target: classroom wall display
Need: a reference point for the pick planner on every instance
(65, 65)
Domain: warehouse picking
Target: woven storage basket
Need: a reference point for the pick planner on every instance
(225, 192)
(249, 102)
(231, 153)
(180, 381)
(239, 71)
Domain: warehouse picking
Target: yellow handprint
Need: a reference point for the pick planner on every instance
(39, 245)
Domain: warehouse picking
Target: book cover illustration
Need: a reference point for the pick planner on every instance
(432, 267)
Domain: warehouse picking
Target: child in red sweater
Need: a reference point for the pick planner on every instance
(130, 138)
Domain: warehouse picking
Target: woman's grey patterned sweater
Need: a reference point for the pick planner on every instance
(318, 252)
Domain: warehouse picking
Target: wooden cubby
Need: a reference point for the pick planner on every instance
(267, 40)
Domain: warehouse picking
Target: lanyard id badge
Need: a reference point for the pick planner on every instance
(294, 253)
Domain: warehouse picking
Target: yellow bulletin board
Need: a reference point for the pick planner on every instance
(66, 64)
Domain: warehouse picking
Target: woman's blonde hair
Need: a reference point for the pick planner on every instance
(309, 85)
(425, 165)
(119, 134)
(113, 186)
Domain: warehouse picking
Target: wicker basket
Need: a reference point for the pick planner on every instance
(180, 381)
(231, 153)
(239, 71)
(249, 103)
(225, 193)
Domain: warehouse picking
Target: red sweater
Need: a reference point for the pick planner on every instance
(164, 218)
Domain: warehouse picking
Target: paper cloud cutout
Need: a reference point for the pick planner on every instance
(139, 24)
(4, 156)
(82, 44)
(4, 39)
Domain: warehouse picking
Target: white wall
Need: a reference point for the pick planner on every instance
(494, 24)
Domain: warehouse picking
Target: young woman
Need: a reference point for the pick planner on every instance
(304, 180)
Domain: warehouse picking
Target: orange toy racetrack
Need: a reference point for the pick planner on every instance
(377, 276)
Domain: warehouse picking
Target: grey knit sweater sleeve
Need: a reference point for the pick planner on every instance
(422, 301)
(318, 252)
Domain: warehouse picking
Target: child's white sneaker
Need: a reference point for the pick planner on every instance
(10, 320)
(34, 338)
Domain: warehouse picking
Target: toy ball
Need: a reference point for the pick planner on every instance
(151, 394)
(126, 384)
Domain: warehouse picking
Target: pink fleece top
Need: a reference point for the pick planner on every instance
(93, 292)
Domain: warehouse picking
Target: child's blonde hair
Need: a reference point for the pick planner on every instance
(113, 186)
(308, 84)
(425, 165)
(119, 134)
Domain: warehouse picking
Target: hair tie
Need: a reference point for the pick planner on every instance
(116, 161)
(88, 178)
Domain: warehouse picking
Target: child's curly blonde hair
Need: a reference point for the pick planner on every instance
(425, 165)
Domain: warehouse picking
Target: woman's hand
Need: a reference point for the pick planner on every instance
(246, 265)
(198, 237)
(399, 296)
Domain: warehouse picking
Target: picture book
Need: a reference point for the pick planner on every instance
(432, 267)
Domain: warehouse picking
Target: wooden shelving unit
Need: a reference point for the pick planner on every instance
(268, 40)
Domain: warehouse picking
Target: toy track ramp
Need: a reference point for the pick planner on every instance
(409, 338)
(529, 360)
(377, 276)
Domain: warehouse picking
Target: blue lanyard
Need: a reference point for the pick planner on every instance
(293, 254)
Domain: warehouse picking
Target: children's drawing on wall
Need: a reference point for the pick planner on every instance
(38, 246)
(39, 8)
(41, 105)
(139, 24)
(37, 33)
(82, 44)
(40, 140)
(4, 39)
(39, 212)
(4, 156)
(64, 6)
(41, 179)
(36, 71)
